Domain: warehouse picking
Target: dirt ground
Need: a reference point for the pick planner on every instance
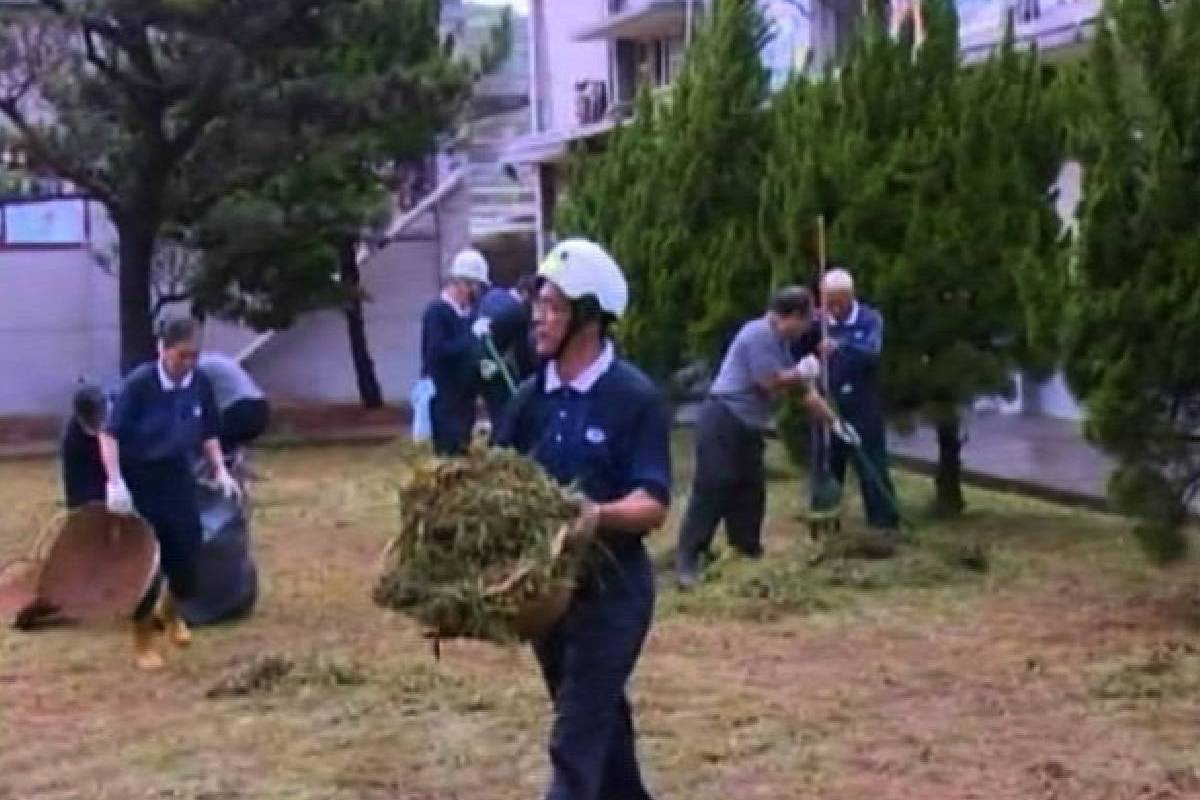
(1026, 652)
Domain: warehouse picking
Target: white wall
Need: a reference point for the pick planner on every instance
(57, 322)
(562, 61)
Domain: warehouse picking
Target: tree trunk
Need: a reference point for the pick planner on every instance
(369, 390)
(948, 500)
(136, 251)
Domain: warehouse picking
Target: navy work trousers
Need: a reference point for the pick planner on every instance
(730, 485)
(164, 494)
(587, 660)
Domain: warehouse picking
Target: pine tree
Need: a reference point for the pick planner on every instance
(290, 244)
(675, 195)
(1132, 337)
(933, 179)
(162, 109)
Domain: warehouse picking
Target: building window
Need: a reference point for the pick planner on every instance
(45, 223)
(669, 55)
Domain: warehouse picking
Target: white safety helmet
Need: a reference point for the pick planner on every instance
(580, 268)
(470, 265)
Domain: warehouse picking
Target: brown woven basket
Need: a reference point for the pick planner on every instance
(18, 585)
(536, 616)
(97, 566)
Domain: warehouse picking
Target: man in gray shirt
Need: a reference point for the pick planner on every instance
(244, 409)
(730, 481)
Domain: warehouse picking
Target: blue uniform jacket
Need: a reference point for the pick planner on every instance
(510, 327)
(608, 442)
(449, 352)
(153, 424)
(854, 365)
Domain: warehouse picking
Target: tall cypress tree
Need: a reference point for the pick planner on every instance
(1132, 337)
(933, 179)
(675, 195)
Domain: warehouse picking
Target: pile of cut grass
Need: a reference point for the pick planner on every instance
(477, 544)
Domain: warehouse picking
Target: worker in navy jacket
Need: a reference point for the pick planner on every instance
(593, 421)
(451, 353)
(852, 350)
(164, 417)
(504, 316)
(83, 474)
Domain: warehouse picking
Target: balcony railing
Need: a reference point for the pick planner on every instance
(591, 102)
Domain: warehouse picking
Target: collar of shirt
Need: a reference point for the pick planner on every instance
(850, 319)
(169, 385)
(449, 300)
(585, 380)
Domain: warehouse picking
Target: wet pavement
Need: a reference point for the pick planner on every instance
(1039, 456)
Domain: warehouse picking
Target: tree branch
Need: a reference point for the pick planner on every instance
(59, 162)
(163, 300)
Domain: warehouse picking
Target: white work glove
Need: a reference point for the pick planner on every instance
(227, 485)
(482, 328)
(117, 498)
(809, 368)
(846, 432)
(488, 369)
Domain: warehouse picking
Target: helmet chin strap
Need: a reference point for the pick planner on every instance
(580, 317)
(573, 329)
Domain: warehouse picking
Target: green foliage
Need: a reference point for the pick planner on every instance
(1131, 336)
(498, 47)
(933, 182)
(272, 251)
(164, 109)
(674, 196)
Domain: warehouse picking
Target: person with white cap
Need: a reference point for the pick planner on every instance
(451, 354)
(593, 421)
(852, 349)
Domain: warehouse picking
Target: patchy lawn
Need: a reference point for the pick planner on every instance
(1025, 652)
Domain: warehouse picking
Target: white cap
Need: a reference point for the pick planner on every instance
(470, 265)
(580, 268)
(838, 280)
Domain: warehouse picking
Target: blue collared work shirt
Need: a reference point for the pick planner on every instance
(608, 441)
(153, 422)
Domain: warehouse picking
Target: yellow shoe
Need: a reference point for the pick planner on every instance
(145, 639)
(178, 633)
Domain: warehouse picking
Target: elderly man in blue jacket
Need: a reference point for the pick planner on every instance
(852, 348)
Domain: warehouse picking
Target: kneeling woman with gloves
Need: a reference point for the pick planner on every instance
(164, 415)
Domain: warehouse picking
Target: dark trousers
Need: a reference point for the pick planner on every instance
(880, 511)
(730, 485)
(243, 422)
(586, 661)
(452, 418)
(496, 395)
(164, 494)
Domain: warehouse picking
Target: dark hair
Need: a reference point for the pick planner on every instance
(527, 285)
(177, 330)
(88, 404)
(792, 300)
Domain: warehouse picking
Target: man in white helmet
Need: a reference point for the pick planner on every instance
(451, 354)
(594, 421)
